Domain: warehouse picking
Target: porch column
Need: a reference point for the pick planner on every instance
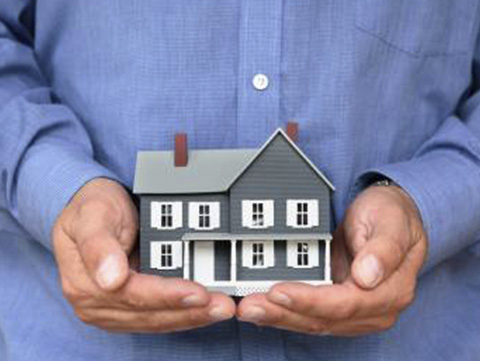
(328, 276)
(233, 261)
(186, 260)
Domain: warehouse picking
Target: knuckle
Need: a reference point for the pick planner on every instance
(85, 316)
(346, 310)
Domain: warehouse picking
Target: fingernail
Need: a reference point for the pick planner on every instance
(253, 314)
(218, 313)
(193, 301)
(108, 272)
(370, 271)
(280, 298)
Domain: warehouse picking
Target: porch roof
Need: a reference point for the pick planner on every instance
(205, 236)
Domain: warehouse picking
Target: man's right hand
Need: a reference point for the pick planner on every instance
(92, 239)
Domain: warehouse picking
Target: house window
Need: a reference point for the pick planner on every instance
(258, 255)
(166, 215)
(257, 213)
(302, 213)
(166, 255)
(302, 254)
(204, 216)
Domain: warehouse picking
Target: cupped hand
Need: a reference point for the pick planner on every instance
(92, 240)
(378, 251)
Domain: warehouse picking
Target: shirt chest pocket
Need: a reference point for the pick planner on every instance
(420, 27)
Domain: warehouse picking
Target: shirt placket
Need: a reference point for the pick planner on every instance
(260, 45)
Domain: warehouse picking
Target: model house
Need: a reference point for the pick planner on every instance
(235, 220)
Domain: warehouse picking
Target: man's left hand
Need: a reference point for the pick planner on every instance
(378, 252)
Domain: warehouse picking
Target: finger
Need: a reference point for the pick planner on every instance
(341, 259)
(221, 308)
(381, 255)
(363, 326)
(147, 292)
(105, 260)
(336, 302)
(258, 310)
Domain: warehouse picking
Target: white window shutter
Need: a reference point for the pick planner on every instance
(313, 216)
(291, 253)
(313, 253)
(269, 213)
(247, 254)
(215, 215)
(155, 255)
(177, 214)
(155, 214)
(291, 213)
(247, 214)
(269, 250)
(177, 254)
(193, 215)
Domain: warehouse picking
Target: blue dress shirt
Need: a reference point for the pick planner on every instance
(379, 87)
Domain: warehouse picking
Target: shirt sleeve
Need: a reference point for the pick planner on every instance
(443, 178)
(45, 152)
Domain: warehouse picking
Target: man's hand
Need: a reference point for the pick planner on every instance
(92, 240)
(377, 253)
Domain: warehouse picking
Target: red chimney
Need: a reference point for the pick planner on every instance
(292, 131)
(181, 150)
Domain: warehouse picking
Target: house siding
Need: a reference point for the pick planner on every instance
(279, 174)
(280, 271)
(149, 234)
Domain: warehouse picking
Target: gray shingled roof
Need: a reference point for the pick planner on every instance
(208, 171)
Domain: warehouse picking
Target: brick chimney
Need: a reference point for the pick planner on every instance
(292, 131)
(181, 150)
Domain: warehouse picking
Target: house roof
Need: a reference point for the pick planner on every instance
(208, 171)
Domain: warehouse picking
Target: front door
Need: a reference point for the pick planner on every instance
(203, 262)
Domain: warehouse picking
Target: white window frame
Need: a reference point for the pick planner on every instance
(299, 216)
(195, 216)
(164, 250)
(253, 250)
(161, 212)
(295, 252)
(254, 211)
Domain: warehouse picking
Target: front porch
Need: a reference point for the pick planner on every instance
(202, 266)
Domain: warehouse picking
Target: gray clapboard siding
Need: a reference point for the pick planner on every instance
(149, 234)
(280, 272)
(279, 173)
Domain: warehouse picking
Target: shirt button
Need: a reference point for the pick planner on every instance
(260, 82)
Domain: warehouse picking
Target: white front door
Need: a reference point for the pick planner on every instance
(204, 262)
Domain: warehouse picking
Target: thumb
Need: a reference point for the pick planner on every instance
(380, 256)
(105, 259)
